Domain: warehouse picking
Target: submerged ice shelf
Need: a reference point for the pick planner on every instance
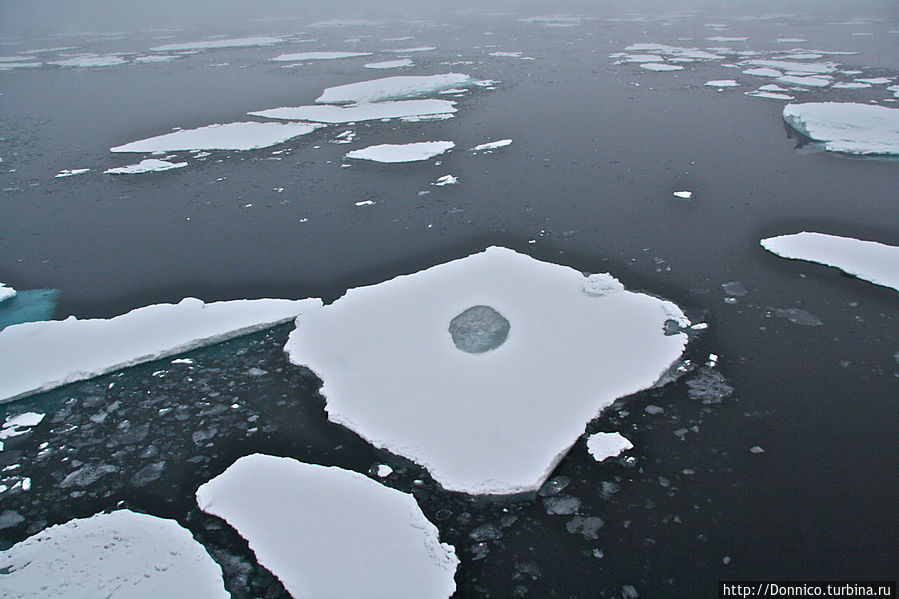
(230, 136)
(499, 420)
(329, 532)
(847, 127)
(42, 355)
(120, 554)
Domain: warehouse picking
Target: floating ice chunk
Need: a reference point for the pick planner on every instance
(20, 424)
(773, 87)
(409, 50)
(607, 445)
(724, 38)
(329, 532)
(150, 165)
(384, 470)
(722, 83)
(798, 316)
(91, 61)
(763, 72)
(684, 195)
(876, 80)
(153, 58)
(850, 85)
(847, 127)
(392, 88)
(7, 66)
(490, 423)
(661, 66)
(492, 145)
(507, 54)
(6, 292)
(770, 95)
(365, 203)
(642, 58)
(790, 40)
(71, 172)
(360, 112)
(446, 180)
(875, 262)
(231, 136)
(121, 554)
(318, 56)
(413, 152)
(390, 64)
(42, 355)
(674, 51)
(242, 42)
(802, 67)
(806, 81)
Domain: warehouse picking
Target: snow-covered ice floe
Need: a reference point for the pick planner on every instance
(150, 165)
(492, 145)
(300, 56)
(231, 136)
(19, 424)
(6, 292)
(413, 152)
(120, 554)
(42, 355)
(486, 369)
(722, 83)
(607, 445)
(329, 532)
(875, 262)
(390, 64)
(392, 88)
(243, 42)
(847, 127)
(360, 112)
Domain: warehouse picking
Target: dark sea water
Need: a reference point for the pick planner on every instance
(598, 148)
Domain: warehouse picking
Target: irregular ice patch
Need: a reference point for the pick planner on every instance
(770, 95)
(390, 64)
(121, 554)
(91, 61)
(70, 172)
(19, 424)
(875, 262)
(392, 88)
(6, 292)
(300, 56)
(329, 532)
(806, 81)
(446, 180)
(42, 355)
(231, 136)
(763, 72)
(150, 165)
(242, 42)
(661, 66)
(360, 112)
(802, 67)
(607, 445)
(413, 152)
(847, 127)
(495, 422)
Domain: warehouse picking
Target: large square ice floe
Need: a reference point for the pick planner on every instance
(486, 369)
(42, 355)
(329, 533)
(230, 136)
(393, 88)
(121, 554)
(847, 127)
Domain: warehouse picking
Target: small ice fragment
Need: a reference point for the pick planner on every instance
(661, 66)
(318, 56)
(798, 316)
(182, 361)
(384, 470)
(446, 180)
(587, 527)
(684, 195)
(607, 445)
(71, 172)
(561, 505)
(397, 153)
(390, 64)
(554, 486)
(230, 136)
(91, 61)
(244, 42)
(365, 203)
(393, 88)
(6, 292)
(734, 288)
(20, 424)
(355, 113)
(756, 449)
(700, 326)
(763, 72)
(722, 83)
(493, 145)
(653, 409)
(150, 165)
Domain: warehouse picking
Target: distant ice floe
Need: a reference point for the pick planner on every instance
(847, 127)
(411, 50)
(231, 136)
(412, 152)
(329, 532)
(120, 554)
(607, 445)
(446, 180)
(318, 56)
(390, 64)
(763, 72)
(486, 369)
(392, 88)
(70, 172)
(722, 83)
(242, 42)
(6, 292)
(150, 165)
(492, 145)
(661, 66)
(759, 93)
(809, 81)
(91, 61)
(674, 52)
(875, 262)
(153, 58)
(795, 66)
(684, 195)
(360, 112)
(42, 355)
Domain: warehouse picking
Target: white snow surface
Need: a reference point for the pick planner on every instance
(412, 152)
(360, 112)
(150, 165)
(6, 292)
(875, 262)
(120, 554)
(390, 64)
(300, 56)
(42, 355)
(231, 136)
(847, 127)
(329, 533)
(242, 42)
(392, 88)
(495, 422)
(607, 445)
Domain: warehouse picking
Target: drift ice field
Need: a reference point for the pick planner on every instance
(469, 301)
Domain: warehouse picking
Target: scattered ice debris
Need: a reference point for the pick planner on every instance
(318, 56)
(42, 355)
(734, 288)
(345, 137)
(798, 316)
(586, 526)
(329, 532)
(483, 423)
(360, 112)
(6, 292)
(231, 136)
(809, 81)
(243, 42)
(446, 180)
(122, 553)
(722, 83)
(71, 172)
(392, 153)
(684, 195)
(392, 88)
(492, 145)
(150, 165)
(763, 72)
(871, 261)
(20, 424)
(708, 386)
(390, 64)
(847, 127)
(91, 61)
(607, 445)
(661, 66)
(756, 449)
